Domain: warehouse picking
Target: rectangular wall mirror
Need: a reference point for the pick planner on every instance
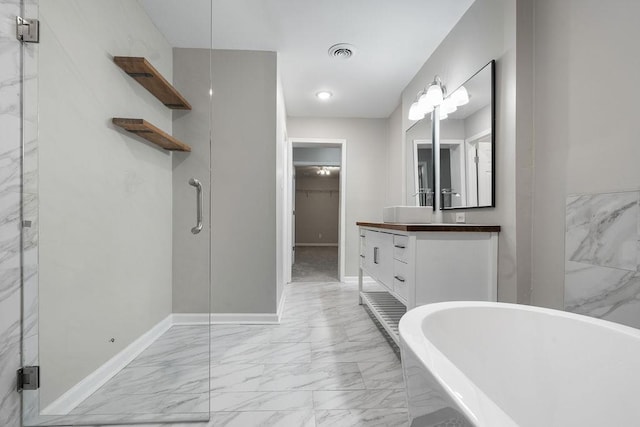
(467, 145)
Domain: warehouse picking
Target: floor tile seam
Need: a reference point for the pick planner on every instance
(162, 365)
(124, 394)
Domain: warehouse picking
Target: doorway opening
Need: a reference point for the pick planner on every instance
(317, 183)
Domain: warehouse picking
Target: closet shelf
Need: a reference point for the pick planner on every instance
(144, 73)
(151, 133)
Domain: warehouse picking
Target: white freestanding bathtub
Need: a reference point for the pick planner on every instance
(495, 364)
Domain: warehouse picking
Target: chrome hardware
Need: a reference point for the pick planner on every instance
(27, 30)
(400, 246)
(28, 378)
(362, 256)
(375, 255)
(195, 183)
(399, 279)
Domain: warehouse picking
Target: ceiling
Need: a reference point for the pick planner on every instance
(393, 39)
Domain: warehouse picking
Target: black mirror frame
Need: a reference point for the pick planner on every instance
(491, 63)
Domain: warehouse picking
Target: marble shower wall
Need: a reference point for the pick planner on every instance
(10, 212)
(602, 261)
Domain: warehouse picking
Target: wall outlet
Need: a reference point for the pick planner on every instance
(460, 218)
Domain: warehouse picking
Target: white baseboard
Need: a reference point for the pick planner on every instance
(244, 318)
(354, 279)
(92, 382)
(182, 319)
(281, 305)
(335, 245)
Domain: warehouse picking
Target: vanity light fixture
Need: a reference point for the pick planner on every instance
(460, 96)
(434, 94)
(415, 112)
(428, 99)
(324, 95)
(448, 106)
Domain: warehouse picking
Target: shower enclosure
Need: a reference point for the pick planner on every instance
(116, 212)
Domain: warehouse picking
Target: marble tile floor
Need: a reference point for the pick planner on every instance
(326, 364)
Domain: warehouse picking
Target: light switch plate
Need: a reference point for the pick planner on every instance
(460, 218)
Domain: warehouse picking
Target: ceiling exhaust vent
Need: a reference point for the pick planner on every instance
(342, 51)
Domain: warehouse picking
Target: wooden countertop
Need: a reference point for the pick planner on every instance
(470, 228)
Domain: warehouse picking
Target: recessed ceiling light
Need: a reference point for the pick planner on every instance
(324, 95)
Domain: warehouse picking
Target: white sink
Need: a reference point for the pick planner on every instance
(407, 214)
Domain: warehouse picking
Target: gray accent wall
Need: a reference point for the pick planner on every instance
(243, 183)
(243, 162)
(191, 252)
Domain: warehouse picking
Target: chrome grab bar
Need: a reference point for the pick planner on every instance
(195, 183)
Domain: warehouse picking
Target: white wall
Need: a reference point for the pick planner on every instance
(317, 212)
(105, 196)
(488, 31)
(366, 176)
(585, 138)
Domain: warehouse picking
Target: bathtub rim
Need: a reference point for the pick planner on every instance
(471, 400)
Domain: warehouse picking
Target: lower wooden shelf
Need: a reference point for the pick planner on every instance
(151, 133)
(387, 309)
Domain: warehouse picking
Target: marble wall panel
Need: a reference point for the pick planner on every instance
(602, 263)
(10, 212)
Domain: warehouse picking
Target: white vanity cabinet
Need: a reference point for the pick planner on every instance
(422, 264)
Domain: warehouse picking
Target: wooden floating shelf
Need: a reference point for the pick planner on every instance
(145, 74)
(151, 133)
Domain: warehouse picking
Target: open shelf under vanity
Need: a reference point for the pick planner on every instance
(387, 310)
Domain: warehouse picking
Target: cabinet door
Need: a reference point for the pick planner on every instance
(384, 259)
(367, 251)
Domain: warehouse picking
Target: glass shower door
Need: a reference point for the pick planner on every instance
(116, 196)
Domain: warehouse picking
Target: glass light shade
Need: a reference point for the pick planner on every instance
(443, 114)
(434, 96)
(448, 106)
(415, 112)
(460, 96)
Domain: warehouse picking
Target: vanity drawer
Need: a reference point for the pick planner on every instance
(400, 279)
(400, 247)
